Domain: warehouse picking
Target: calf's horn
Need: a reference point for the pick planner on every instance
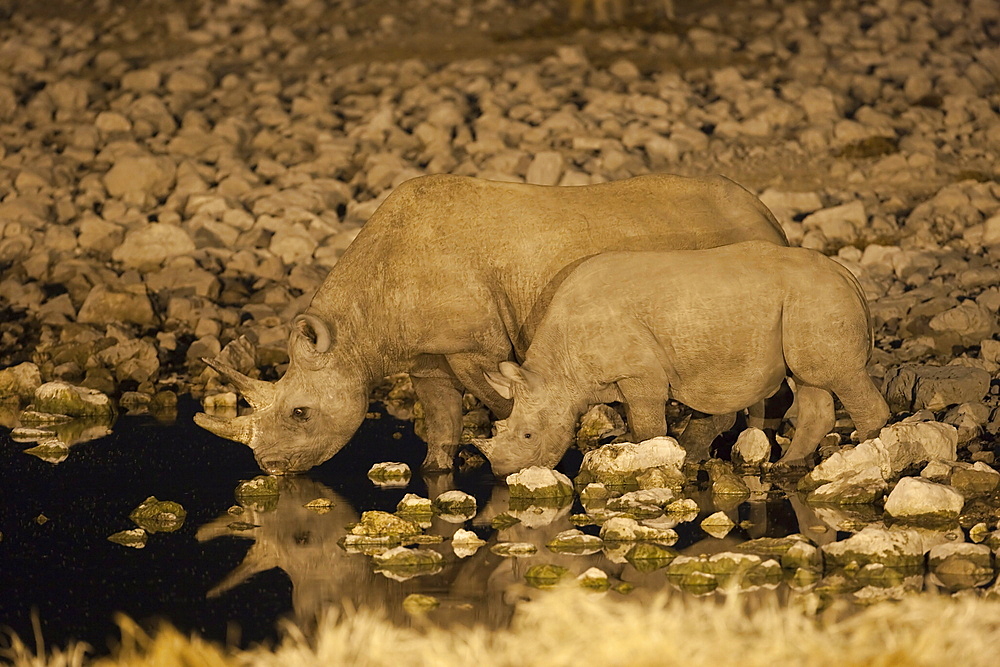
(239, 429)
(259, 394)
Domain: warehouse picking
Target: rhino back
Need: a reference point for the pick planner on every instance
(702, 307)
(443, 244)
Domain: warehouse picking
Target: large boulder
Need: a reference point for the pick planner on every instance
(909, 388)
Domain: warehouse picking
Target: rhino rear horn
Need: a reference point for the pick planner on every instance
(315, 331)
(259, 394)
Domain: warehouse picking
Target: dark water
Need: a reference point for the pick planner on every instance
(233, 586)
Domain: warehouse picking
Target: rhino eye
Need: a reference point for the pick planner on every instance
(300, 414)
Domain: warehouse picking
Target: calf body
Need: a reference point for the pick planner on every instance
(717, 330)
(450, 277)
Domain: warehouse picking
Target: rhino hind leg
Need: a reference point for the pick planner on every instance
(816, 418)
(441, 398)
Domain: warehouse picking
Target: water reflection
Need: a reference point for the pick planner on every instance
(307, 545)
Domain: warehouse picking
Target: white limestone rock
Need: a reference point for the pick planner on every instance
(915, 499)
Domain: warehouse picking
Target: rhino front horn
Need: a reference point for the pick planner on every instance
(259, 394)
(239, 429)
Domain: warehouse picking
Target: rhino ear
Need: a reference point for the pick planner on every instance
(318, 334)
(500, 383)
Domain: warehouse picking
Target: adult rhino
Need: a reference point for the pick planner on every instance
(448, 278)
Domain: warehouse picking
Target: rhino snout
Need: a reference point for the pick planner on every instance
(281, 465)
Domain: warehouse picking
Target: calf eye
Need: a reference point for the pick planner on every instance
(527, 436)
(300, 414)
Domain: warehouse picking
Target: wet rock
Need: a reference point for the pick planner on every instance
(416, 604)
(722, 570)
(717, 525)
(918, 500)
(600, 422)
(401, 563)
(970, 479)
(21, 381)
(465, 543)
(539, 483)
(724, 481)
(961, 565)
(389, 474)
(261, 492)
(50, 450)
(900, 549)
(863, 486)
(649, 556)
(752, 447)
(897, 447)
(575, 542)
(158, 516)
(415, 507)
(644, 503)
(514, 549)
(909, 388)
(624, 529)
(545, 576)
(64, 399)
(455, 506)
(135, 538)
(594, 579)
(618, 464)
(382, 524)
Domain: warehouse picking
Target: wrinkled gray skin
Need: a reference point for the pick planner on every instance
(717, 330)
(449, 278)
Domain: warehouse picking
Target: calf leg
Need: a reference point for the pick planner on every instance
(768, 413)
(815, 419)
(701, 430)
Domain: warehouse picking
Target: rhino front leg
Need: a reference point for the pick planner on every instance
(441, 398)
(815, 419)
(645, 408)
(702, 429)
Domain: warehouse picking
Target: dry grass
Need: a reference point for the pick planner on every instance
(572, 628)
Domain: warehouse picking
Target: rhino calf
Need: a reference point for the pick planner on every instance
(717, 330)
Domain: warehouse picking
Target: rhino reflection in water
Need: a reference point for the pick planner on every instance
(303, 543)
(449, 278)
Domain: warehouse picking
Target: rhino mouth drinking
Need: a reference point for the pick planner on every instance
(447, 279)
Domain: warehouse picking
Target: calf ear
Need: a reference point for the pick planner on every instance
(315, 333)
(520, 374)
(500, 383)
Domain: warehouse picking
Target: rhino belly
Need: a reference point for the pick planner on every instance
(719, 384)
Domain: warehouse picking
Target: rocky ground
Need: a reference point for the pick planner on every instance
(175, 177)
